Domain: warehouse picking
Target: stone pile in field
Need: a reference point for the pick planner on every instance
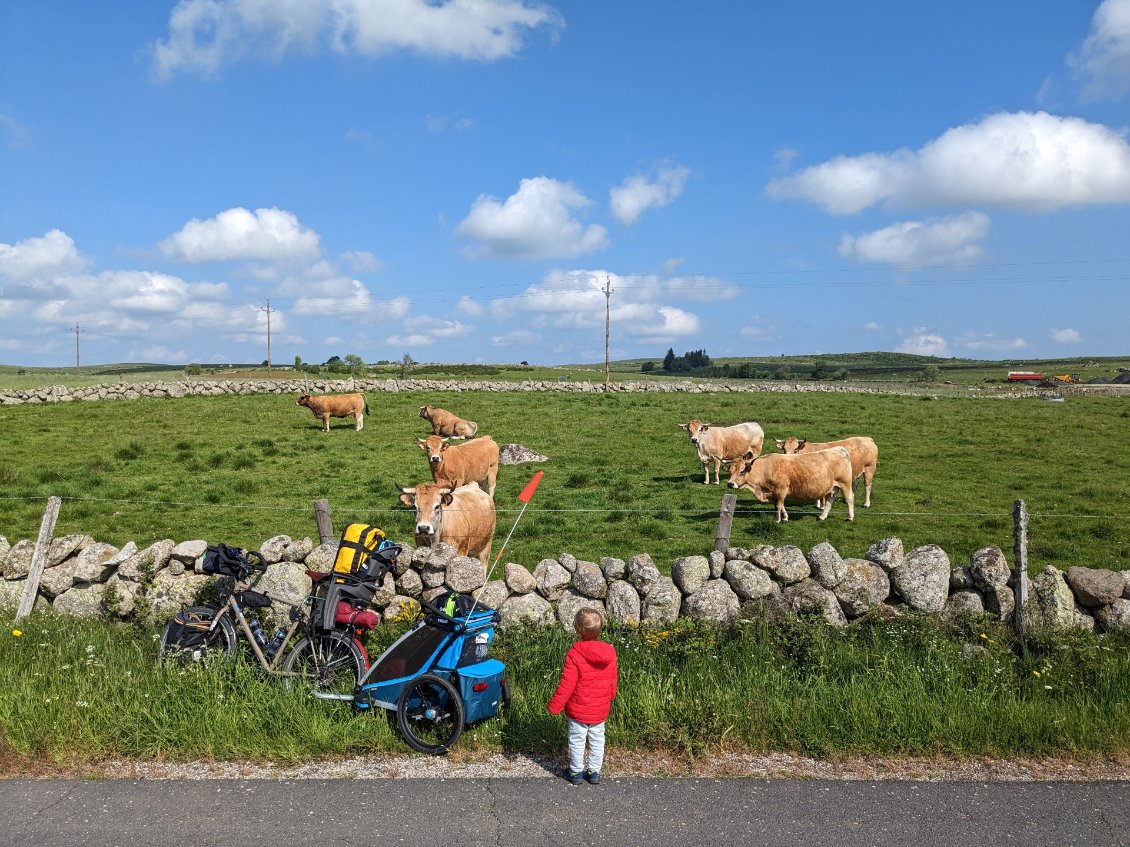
(84, 577)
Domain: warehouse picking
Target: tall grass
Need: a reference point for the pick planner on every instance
(74, 692)
(621, 477)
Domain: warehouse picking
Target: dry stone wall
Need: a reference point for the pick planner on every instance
(85, 577)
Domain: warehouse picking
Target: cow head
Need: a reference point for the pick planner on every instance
(429, 501)
(740, 468)
(426, 412)
(791, 444)
(694, 429)
(433, 445)
(304, 400)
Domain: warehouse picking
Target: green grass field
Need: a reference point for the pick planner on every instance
(621, 478)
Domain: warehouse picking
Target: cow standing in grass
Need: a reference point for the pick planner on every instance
(326, 406)
(462, 517)
(458, 464)
(864, 456)
(447, 424)
(723, 444)
(802, 477)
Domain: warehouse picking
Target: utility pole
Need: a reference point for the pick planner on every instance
(76, 331)
(607, 299)
(268, 310)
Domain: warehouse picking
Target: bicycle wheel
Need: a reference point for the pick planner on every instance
(325, 664)
(430, 714)
(221, 641)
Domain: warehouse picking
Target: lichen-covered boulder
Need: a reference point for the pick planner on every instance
(120, 596)
(747, 580)
(286, 583)
(961, 579)
(11, 592)
(715, 601)
(552, 579)
(923, 579)
(386, 590)
(432, 576)
(887, 554)
(787, 563)
(528, 609)
(865, 585)
(571, 602)
(93, 562)
(148, 562)
(321, 558)
(988, 567)
(717, 560)
(643, 573)
(1115, 617)
(189, 551)
(809, 593)
(662, 604)
(1000, 602)
(613, 568)
(827, 565)
(169, 593)
(409, 584)
(623, 603)
(64, 547)
(465, 574)
(17, 564)
(273, 549)
(964, 601)
(493, 594)
(518, 579)
(4, 548)
(589, 580)
(690, 573)
(1055, 603)
(1095, 587)
(58, 579)
(81, 602)
(297, 550)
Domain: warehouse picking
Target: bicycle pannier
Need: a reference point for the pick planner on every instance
(222, 560)
(187, 630)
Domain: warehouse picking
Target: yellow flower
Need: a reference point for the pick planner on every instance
(1036, 673)
(17, 633)
(984, 636)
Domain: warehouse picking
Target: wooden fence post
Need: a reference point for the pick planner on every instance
(1020, 551)
(725, 519)
(39, 557)
(322, 518)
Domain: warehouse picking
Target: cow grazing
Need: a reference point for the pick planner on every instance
(803, 477)
(326, 406)
(723, 444)
(458, 464)
(462, 517)
(447, 424)
(864, 456)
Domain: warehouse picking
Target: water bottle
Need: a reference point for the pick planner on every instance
(276, 642)
(257, 631)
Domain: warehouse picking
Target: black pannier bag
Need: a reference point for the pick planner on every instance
(222, 560)
(188, 630)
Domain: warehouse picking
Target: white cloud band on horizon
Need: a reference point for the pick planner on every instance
(1030, 161)
(921, 342)
(206, 34)
(240, 235)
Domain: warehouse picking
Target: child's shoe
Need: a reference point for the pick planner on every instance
(592, 777)
(573, 777)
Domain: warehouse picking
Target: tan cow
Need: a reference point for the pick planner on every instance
(723, 444)
(326, 406)
(864, 456)
(458, 464)
(447, 424)
(803, 477)
(462, 517)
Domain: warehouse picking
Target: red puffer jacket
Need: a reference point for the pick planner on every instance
(588, 682)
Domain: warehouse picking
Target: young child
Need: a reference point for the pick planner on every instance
(585, 692)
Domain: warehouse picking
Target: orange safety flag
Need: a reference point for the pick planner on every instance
(528, 491)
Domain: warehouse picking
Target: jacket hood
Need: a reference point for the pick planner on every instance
(599, 654)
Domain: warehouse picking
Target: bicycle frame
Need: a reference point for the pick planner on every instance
(268, 665)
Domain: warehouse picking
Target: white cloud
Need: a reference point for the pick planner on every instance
(913, 244)
(423, 330)
(237, 234)
(158, 353)
(989, 343)
(16, 133)
(536, 222)
(206, 34)
(757, 330)
(442, 123)
(516, 338)
(469, 306)
(1023, 160)
(871, 326)
(361, 261)
(923, 343)
(1104, 58)
(1066, 336)
(673, 264)
(637, 193)
(701, 289)
(49, 256)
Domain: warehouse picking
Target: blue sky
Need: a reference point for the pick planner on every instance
(459, 180)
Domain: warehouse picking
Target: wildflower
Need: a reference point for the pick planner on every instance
(1036, 673)
(1048, 687)
(17, 633)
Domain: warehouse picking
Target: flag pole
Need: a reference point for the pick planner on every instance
(525, 497)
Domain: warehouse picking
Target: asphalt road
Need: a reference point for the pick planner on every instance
(533, 811)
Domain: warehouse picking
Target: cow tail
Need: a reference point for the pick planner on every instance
(366, 401)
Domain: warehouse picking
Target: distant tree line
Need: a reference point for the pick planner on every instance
(698, 363)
